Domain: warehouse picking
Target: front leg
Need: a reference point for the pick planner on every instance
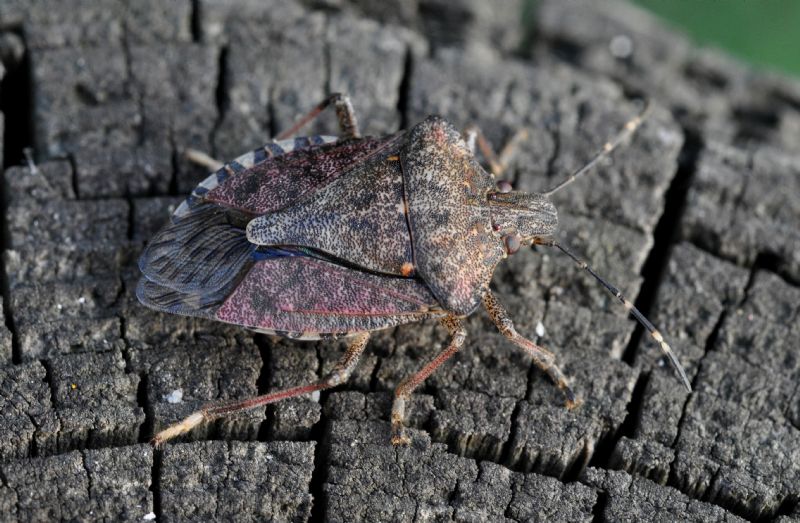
(543, 358)
(497, 163)
(458, 334)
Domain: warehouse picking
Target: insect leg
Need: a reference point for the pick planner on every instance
(28, 152)
(202, 159)
(458, 333)
(497, 163)
(543, 358)
(348, 124)
(340, 373)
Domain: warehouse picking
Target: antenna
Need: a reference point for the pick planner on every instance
(665, 348)
(608, 147)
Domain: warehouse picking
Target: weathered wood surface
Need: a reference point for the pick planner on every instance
(698, 218)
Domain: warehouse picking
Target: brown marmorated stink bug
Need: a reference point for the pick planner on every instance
(324, 237)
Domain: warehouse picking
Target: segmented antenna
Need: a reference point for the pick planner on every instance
(608, 147)
(665, 348)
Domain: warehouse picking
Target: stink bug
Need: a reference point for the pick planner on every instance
(320, 237)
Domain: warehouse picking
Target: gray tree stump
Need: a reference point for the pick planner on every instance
(698, 218)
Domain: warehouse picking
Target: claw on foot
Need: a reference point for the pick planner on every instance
(401, 440)
(573, 403)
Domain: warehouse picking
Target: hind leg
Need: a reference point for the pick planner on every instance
(344, 368)
(203, 160)
(403, 392)
(345, 114)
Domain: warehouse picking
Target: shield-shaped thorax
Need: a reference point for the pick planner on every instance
(455, 247)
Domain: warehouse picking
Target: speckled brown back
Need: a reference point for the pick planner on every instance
(359, 217)
(283, 180)
(455, 248)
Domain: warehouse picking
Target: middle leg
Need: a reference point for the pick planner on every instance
(458, 333)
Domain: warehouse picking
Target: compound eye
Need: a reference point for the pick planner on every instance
(512, 242)
(504, 186)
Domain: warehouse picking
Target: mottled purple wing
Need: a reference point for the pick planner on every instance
(309, 296)
(302, 297)
(455, 248)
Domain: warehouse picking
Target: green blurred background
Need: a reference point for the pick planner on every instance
(763, 32)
